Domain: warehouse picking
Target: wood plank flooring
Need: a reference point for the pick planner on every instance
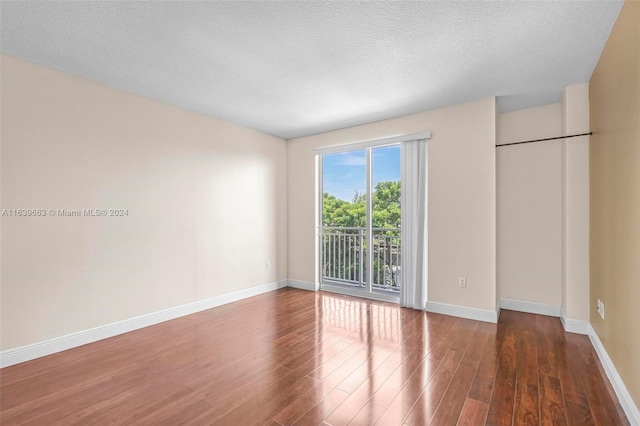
(296, 357)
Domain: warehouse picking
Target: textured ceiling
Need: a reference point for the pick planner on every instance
(298, 68)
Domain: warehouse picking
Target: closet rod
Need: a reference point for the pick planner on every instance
(546, 139)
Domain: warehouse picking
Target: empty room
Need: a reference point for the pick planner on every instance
(320, 213)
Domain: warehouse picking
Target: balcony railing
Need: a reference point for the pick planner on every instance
(345, 252)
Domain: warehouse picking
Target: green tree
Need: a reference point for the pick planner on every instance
(337, 212)
(386, 208)
(386, 205)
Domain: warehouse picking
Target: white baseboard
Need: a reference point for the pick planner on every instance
(59, 344)
(302, 285)
(570, 325)
(530, 307)
(629, 407)
(573, 325)
(463, 312)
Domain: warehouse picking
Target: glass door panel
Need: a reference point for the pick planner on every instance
(344, 218)
(386, 217)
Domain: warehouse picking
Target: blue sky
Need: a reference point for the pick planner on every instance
(344, 173)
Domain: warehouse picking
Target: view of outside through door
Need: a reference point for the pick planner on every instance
(347, 257)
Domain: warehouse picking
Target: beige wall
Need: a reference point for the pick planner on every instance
(206, 200)
(462, 198)
(615, 196)
(529, 206)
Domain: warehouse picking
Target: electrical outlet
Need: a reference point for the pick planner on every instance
(462, 282)
(600, 308)
(268, 265)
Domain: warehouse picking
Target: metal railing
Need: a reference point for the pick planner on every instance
(345, 252)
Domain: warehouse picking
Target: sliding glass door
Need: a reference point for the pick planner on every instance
(360, 222)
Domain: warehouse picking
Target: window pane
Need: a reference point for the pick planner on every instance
(344, 218)
(344, 186)
(386, 217)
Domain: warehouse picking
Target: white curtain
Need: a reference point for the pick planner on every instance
(413, 290)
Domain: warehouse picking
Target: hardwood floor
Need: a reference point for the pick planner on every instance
(297, 357)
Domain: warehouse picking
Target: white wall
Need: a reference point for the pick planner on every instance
(206, 199)
(461, 198)
(575, 113)
(529, 209)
